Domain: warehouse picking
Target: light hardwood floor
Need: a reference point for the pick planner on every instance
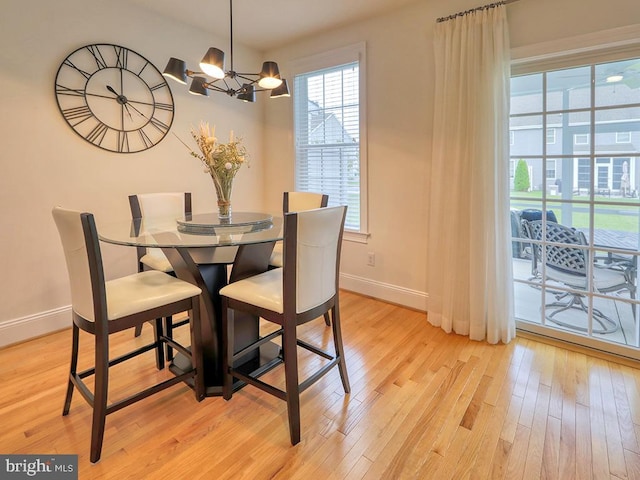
(423, 405)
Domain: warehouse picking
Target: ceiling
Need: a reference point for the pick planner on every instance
(264, 25)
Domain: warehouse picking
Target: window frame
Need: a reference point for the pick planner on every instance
(551, 166)
(584, 136)
(623, 137)
(551, 136)
(327, 60)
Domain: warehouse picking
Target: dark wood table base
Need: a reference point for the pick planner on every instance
(249, 260)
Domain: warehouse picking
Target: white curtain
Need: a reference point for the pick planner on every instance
(470, 275)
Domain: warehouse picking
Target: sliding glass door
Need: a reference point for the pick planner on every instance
(575, 206)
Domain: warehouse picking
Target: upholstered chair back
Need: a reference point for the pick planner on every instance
(74, 245)
(160, 205)
(315, 244)
(159, 212)
(300, 201)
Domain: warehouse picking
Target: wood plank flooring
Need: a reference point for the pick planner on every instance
(423, 405)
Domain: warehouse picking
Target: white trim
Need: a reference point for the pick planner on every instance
(624, 351)
(384, 291)
(320, 61)
(627, 139)
(31, 326)
(25, 328)
(613, 38)
(357, 237)
(553, 131)
(586, 136)
(356, 52)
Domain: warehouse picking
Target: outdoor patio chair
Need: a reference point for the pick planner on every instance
(568, 265)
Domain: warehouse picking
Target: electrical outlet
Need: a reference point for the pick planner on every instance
(371, 259)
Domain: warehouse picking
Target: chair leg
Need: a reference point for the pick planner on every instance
(75, 339)
(327, 319)
(99, 395)
(289, 345)
(168, 331)
(607, 325)
(337, 340)
(158, 333)
(138, 330)
(227, 349)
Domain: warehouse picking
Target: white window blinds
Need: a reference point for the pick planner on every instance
(327, 136)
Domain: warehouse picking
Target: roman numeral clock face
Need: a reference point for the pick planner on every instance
(114, 98)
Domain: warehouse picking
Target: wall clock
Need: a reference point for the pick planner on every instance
(114, 98)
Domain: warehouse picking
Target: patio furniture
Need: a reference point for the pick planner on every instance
(566, 260)
(522, 248)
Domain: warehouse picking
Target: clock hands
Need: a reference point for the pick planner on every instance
(121, 99)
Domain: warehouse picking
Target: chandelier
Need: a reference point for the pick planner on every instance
(235, 84)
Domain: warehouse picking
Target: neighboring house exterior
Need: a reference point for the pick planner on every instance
(328, 161)
(568, 143)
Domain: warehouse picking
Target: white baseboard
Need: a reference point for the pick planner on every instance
(21, 329)
(384, 291)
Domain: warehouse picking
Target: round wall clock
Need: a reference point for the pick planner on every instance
(114, 98)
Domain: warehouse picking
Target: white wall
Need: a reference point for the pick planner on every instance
(44, 163)
(399, 106)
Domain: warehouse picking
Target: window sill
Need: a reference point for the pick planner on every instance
(357, 237)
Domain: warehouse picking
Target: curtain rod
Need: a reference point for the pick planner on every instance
(484, 7)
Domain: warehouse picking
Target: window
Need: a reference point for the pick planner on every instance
(623, 137)
(551, 169)
(581, 139)
(586, 186)
(329, 128)
(584, 174)
(512, 138)
(551, 136)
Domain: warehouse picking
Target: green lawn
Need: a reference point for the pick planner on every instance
(620, 218)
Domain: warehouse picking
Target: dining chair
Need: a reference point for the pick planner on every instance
(298, 202)
(566, 260)
(297, 293)
(159, 207)
(102, 308)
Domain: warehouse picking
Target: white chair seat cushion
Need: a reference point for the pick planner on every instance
(276, 259)
(156, 262)
(604, 280)
(144, 291)
(263, 290)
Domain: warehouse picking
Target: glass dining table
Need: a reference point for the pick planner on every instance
(201, 248)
